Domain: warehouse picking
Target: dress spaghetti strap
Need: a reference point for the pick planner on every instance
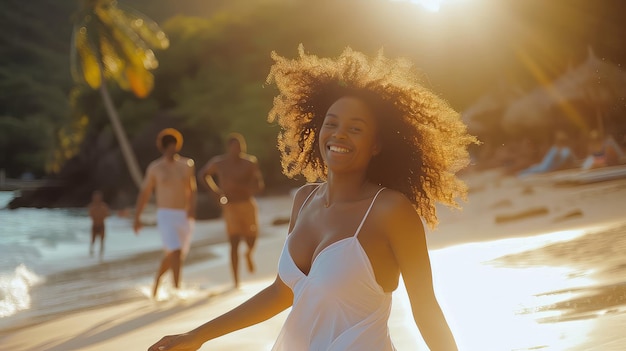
(307, 198)
(358, 230)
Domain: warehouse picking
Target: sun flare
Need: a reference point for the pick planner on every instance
(430, 5)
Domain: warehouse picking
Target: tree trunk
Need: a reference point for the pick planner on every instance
(120, 134)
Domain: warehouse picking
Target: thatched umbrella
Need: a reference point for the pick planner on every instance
(532, 110)
(582, 96)
(484, 114)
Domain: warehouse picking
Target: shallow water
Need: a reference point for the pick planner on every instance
(46, 269)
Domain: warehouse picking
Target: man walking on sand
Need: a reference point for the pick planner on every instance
(173, 178)
(238, 179)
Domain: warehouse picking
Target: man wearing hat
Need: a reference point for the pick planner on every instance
(172, 177)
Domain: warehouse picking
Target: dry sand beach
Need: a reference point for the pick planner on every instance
(528, 264)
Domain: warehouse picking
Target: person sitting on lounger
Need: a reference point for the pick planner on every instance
(559, 156)
(602, 152)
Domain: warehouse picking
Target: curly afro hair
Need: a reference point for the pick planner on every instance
(424, 142)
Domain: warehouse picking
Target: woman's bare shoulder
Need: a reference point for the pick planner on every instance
(303, 192)
(299, 197)
(395, 210)
(393, 200)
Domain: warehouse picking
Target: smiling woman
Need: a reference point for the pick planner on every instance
(423, 138)
(386, 149)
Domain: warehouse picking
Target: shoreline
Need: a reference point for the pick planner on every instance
(151, 257)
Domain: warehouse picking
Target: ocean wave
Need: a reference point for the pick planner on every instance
(15, 290)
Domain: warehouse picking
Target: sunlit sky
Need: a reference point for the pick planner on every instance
(431, 5)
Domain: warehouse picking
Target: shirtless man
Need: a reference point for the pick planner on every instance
(238, 179)
(173, 178)
(98, 211)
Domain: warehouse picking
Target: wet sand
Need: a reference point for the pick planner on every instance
(600, 255)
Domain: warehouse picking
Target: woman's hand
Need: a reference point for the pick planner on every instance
(180, 342)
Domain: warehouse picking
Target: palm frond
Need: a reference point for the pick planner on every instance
(141, 51)
(122, 48)
(141, 81)
(147, 29)
(89, 64)
(114, 63)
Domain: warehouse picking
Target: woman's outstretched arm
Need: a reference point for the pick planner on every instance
(262, 306)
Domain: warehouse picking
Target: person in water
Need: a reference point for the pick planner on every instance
(172, 178)
(98, 211)
(386, 151)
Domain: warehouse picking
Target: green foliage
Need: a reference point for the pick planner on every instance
(218, 86)
(34, 82)
(135, 113)
(21, 143)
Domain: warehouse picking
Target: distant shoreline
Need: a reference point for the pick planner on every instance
(11, 184)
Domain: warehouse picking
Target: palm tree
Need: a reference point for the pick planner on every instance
(110, 43)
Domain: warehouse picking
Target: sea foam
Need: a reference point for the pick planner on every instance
(15, 290)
